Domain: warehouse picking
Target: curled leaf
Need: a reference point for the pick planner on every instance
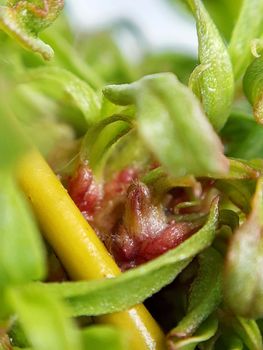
(253, 87)
(206, 331)
(212, 81)
(23, 20)
(244, 262)
(172, 124)
(247, 28)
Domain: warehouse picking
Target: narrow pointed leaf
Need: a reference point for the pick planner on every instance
(212, 81)
(247, 28)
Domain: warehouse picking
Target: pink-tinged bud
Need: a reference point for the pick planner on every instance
(85, 192)
(141, 218)
(170, 237)
(119, 184)
(144, 233)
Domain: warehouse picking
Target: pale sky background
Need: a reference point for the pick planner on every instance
(162, 25)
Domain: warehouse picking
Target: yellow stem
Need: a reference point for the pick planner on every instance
(82, 253)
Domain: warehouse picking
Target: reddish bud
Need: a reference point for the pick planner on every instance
(141, 218)
(85, 192)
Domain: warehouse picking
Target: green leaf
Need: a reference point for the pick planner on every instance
(82, 95)
(172, 124)
(244, 261)
(239, 192)
(205, 293)
(12, 144)
(180, 64)
(103, 337)
(23, 20)
(231, 341)
(129, 151)
(21, 253)
(247, 28)
(212, 81)
(206, 331)
(94, 47)
(134, 286)
(240, 170)
(253, 87)
(67, 56)
(247, 330)
(243, 137)
(224, 14)
(100, 137)
(161, 183)
(18, 336)
(44, 319)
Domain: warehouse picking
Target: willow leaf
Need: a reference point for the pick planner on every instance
(212, 81)
(205, 294)
(21, 253)
(248, 27)
(134, 286)
(44, 320)
(253, 87)
(82, 95)
(23, 20)
(245, 254)
(172, 124)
